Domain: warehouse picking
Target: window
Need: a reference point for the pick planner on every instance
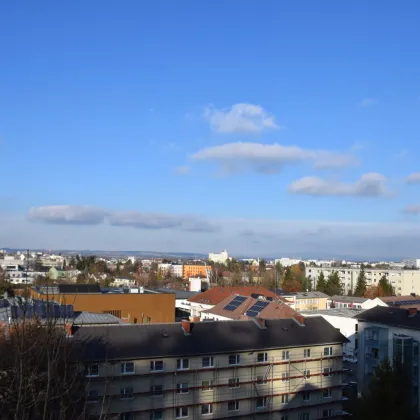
(208, 362)
(234, 383)
(284, 377)
(92, 370)
(126, 416)
(328, 371)
(326, 393)
(182, 364)
(156, 390)
(234, 359)
(285, 398)
(306, 396)
(327, 351)
(306, 374)
(305, 416)
(93, 396)
(182, 388)
(126, 393)
(261, 380)
(233, 405)
(284, 418)
(127, 368)
(327, 412)
(356, 327)
(206, 409)
(207, 386)
(262, 357)
(306, 353)
(181, 412)
(156, 415)
(261, 402)
(156, 365)
(286, 355)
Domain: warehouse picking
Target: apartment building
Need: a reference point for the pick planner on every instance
(137, 308)
(219, 258)
(194, 271)
(278, 369)
(403, 281)
(306, 301)
(388, 333)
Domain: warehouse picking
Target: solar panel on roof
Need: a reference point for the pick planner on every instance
(235, 303)
(255, 309)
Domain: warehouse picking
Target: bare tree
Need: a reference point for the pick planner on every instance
(40, 377)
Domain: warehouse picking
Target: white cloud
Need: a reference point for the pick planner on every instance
(240, 118)
(182, 170)
(366, 102)
(369, 185)
(413, 178)
(412, 209)
(88, 215)
(270, 158)
(64, 214)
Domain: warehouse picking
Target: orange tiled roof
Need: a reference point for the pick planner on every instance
(217, 294)
(275, 309)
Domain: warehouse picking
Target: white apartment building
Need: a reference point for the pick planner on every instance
(287, 262)
(178, 270)
(404, 282)
(220, 258)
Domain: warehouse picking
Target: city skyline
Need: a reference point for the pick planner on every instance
(267, 130)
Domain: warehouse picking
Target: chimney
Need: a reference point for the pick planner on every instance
(196, 319)
(299, 318)
(69, 330)
(186, 326)
(260, 323)
(412, 312)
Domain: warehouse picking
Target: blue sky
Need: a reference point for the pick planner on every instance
(268, 128)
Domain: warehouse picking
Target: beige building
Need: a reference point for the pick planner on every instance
(279, 369)
(307, 301)
(404, 282)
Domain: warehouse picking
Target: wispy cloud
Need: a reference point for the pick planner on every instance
(366, 102)
(412, 209)
(87, 215)
(413, 178)
(182, 170)
(369, 185)
(70, 215)
(240, 118)
(270, 158)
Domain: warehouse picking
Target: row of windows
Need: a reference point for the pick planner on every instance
(127, 368)
(207, 409)
(183, 388)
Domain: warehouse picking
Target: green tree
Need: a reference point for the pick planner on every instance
(321, 285)
(262, 266)
(389, 395)
(386, 287)
(361, 284)
(334, 286)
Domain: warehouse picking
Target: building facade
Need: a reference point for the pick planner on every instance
(211, 370)
(403, 281)
(220, 258)
(393, 334)
(137, 308)
(194, 271)
(306, 301)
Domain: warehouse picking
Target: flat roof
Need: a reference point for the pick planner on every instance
(340, 312)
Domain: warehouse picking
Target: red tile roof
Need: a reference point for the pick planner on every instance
(275, 309)
(217, 294)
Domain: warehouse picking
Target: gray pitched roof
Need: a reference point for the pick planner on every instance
(396, 317)
(349, 299)
(163, 340)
